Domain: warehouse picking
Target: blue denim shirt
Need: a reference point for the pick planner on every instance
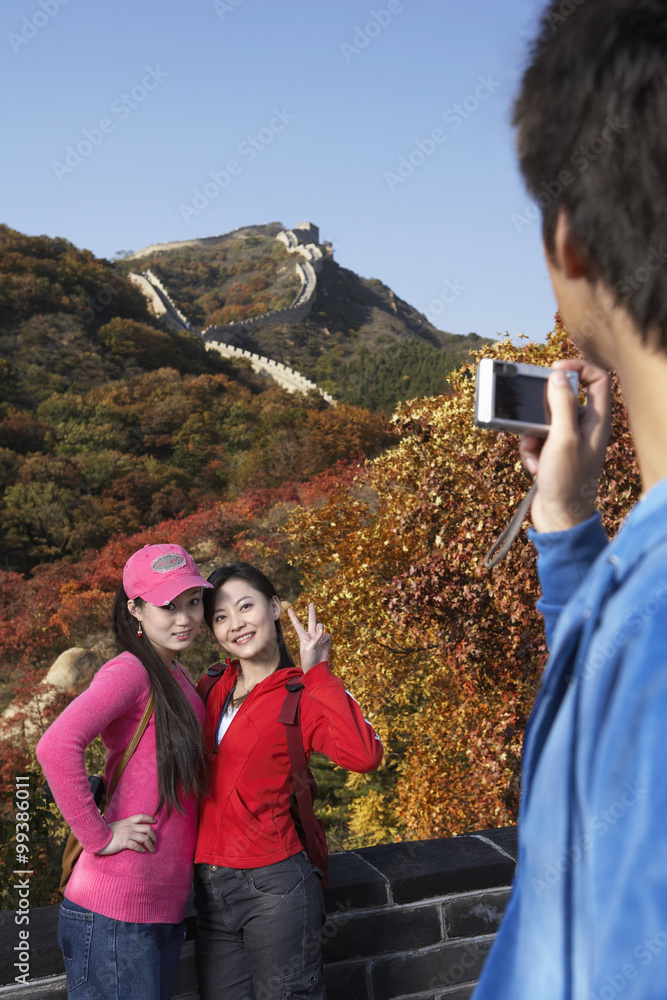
(587, 919)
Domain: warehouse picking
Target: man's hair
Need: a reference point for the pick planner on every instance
(591, 117)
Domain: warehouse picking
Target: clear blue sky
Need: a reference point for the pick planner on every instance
(316, 104)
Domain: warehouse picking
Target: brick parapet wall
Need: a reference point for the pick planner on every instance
(407, 921)
(164, 295)
(159, 303)
(219, 336)
(300, 308)
(308, 268)
(285, 376)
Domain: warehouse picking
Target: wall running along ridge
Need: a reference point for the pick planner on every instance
(308, 267)
(286, 377)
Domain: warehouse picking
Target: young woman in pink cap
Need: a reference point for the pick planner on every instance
(122, 920)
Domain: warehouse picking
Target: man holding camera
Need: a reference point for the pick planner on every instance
(588, 915)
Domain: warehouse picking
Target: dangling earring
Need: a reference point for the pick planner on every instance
(140, 630)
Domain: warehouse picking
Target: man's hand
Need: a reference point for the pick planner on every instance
(568, 463)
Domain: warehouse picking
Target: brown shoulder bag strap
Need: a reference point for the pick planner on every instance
(131, 747)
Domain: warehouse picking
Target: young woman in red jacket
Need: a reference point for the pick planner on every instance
(258, 895)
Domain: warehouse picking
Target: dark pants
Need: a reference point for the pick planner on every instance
(259, 931)
(109, 959)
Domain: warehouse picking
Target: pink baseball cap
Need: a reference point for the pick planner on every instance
(159, 573)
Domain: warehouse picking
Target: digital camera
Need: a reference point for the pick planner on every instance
(513, 397)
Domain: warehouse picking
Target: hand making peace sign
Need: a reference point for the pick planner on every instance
(315, 643)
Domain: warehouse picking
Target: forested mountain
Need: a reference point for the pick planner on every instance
(234, 277)
(361, 343)
(115, 432)
(443, 655)
(109, 423)
(68, 321)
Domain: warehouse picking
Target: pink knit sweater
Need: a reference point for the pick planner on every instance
(141, 888)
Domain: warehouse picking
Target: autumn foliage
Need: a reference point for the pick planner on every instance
(445, 654)
(241, 275)
(109, 423)
(69, 604)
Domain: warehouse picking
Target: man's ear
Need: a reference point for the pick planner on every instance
(569, 256)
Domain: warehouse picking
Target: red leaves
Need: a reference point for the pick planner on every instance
(444, 654)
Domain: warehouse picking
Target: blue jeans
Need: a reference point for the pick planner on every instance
(259, 931)
(109, 959)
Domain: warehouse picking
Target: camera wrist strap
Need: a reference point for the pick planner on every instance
(499, 549)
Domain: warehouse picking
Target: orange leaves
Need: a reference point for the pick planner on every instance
(443, 654)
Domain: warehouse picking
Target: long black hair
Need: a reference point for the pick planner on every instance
(257, 580)
(181, 759)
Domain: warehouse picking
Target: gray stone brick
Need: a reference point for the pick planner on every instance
(461, 994)
(426, 868)
(450, 965)
(379, 933)
(469, 916)
(353, 884)
(505, 838)
(346, 981)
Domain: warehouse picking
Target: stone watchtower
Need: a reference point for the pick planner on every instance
(306, 232)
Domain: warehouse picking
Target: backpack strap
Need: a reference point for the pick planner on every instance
(211, 677)
(305, 788)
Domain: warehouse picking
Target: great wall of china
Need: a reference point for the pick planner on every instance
(302, 241)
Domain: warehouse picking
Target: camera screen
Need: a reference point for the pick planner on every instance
(521, 398)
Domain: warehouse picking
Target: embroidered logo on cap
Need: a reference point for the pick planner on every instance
(168, 562)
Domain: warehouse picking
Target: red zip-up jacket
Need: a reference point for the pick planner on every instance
(245, 820)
